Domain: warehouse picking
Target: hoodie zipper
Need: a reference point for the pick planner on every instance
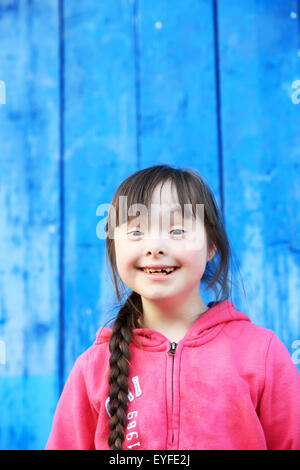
(171, 352)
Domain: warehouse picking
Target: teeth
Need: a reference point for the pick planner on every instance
(151, 270)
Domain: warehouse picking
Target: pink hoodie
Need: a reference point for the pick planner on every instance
(228, 384)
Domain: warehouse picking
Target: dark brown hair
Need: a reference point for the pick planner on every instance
(139, 187)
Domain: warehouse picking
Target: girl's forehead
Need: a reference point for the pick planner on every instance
(169, 212)
(165, 199)
(157, 210)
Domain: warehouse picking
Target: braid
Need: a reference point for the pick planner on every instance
(119, 368)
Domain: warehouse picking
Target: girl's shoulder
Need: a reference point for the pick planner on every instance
(98, 351)
(252, 340)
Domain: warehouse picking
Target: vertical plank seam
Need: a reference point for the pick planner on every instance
(61, 342)
(135, 10)
(218, 105)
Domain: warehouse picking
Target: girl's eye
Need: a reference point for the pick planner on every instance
(134, 231)
(174, 230)
(178, 230)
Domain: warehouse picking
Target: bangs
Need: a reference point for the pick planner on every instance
(139, 191)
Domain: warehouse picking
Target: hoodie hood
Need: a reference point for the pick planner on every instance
(206, 327)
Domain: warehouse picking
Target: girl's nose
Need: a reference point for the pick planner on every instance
(154, 251)
(154, 246)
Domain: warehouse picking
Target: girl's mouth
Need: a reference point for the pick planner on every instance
(159, 273)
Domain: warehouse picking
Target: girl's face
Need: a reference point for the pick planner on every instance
(160, 237)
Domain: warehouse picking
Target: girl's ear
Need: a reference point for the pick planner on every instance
(211, 253)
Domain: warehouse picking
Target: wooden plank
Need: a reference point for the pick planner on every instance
(177, 77)
(99, 153)
(259, 61)
(29, 212)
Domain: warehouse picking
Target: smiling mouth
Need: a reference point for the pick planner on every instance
(164, 271)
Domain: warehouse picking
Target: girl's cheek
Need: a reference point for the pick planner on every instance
(126, 258)
(121, 258)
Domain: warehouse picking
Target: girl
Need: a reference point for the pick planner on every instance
(173, 372)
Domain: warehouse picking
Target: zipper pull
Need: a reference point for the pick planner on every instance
(171, 352)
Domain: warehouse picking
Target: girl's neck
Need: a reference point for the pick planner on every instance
(173, 317)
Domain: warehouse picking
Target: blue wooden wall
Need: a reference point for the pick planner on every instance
(96, 90)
